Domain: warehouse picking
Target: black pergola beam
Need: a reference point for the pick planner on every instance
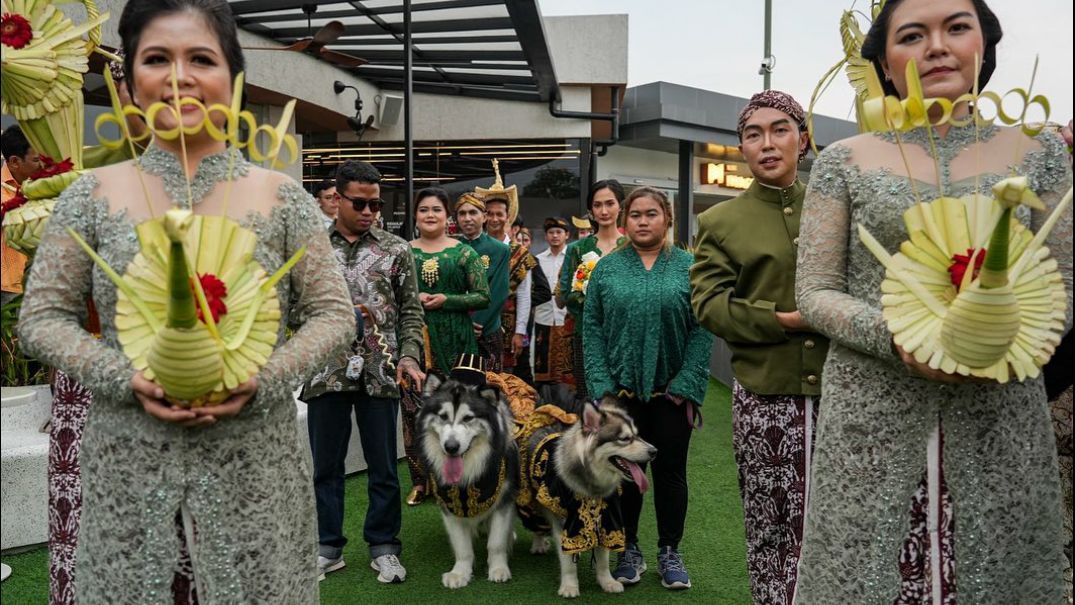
(420, 27)
(526, 20)
(262, 6)
(445, 88)
(375, 73)
(244, 7)
(449, 65)
(436, 57)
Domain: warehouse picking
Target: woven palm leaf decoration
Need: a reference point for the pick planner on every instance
(1007, 318)
(44, 59)
(971, 291)
(195, 311)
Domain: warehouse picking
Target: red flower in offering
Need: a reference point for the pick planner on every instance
(215, 291)
(12, 204)
(580, 275)
(959, 265)
(15, 30)
(50, 167)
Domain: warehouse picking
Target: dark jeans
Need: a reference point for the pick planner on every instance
(664, 425)
(329, 420)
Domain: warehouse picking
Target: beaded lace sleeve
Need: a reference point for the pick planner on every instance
(822, 270)
(320, 298)
(1049, 173)
(54, 307)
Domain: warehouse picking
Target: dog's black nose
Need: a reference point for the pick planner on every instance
(451, 447)
(652, 452)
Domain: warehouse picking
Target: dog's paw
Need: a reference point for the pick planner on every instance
(499, 574)
(452, 579)
(539, 544)
(568, 591)
(609, 584)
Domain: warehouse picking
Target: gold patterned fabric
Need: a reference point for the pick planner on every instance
(588, 522)
(477, 498)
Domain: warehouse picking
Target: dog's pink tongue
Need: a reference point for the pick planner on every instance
(453, 469)
(638, 476)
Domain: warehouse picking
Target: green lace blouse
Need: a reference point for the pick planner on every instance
(639, 330)
(458, 273)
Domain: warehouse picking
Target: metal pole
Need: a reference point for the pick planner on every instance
(684, 206)
(768, 69)
(408, 135)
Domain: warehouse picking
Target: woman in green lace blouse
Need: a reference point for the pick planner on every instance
(604, 204)
(451, 284)
(992, 527)
(235, 471)
(644, 345)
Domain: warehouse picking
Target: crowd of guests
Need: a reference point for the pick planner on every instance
(865, 476)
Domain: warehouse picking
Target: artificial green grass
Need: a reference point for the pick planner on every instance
(713, 546)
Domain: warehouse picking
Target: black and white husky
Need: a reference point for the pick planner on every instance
(467, 445)
(571, 472)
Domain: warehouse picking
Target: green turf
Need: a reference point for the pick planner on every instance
(713, 546)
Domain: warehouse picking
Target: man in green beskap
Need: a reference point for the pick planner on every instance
(743, 290)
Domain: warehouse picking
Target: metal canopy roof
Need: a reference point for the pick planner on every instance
(481, 48)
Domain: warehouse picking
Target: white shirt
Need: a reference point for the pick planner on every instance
(548, 314)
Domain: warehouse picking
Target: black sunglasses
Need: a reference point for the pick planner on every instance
(359, 204)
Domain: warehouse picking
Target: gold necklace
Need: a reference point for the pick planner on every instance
(430, 271)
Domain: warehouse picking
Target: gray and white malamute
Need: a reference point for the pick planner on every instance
(467, 445)
(571, 474)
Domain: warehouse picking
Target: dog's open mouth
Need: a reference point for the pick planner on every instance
(452, 471)
(632, 471)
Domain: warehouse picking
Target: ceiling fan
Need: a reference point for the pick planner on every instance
(315, 44)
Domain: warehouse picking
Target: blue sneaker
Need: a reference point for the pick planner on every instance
(670, 566)
(629, 565)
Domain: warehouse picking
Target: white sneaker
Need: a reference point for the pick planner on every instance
(326, 565)
(389, 569)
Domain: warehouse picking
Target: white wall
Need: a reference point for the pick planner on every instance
(621, 161)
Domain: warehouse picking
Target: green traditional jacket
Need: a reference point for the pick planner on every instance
(574, 301)
(744, 271)
(494, 256)
(639, 331)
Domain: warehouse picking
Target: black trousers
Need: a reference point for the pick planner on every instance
(664, 425)
(329, 421)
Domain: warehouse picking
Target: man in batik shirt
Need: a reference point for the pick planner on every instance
(380, 275)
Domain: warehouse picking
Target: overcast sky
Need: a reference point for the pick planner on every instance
(718, 44)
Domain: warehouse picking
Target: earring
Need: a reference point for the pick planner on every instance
(888, 78)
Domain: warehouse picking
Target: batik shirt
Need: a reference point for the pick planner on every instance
(380, 275)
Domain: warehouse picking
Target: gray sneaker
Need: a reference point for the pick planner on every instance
(629, 565)
(389, 569)
(326, 565)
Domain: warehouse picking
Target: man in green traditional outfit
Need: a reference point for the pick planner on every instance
(470, 216)
(743, 290)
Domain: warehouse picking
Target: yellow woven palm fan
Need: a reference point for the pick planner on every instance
(497, 190)
(196, 339)
(42, 75)
(1007, 318)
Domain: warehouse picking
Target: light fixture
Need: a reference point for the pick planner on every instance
(355, 122)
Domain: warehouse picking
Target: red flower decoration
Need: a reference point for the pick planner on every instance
(12, 204)
(50, 167)
(580, 275)
(15, 30)
(215, 291)
(959, 265)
